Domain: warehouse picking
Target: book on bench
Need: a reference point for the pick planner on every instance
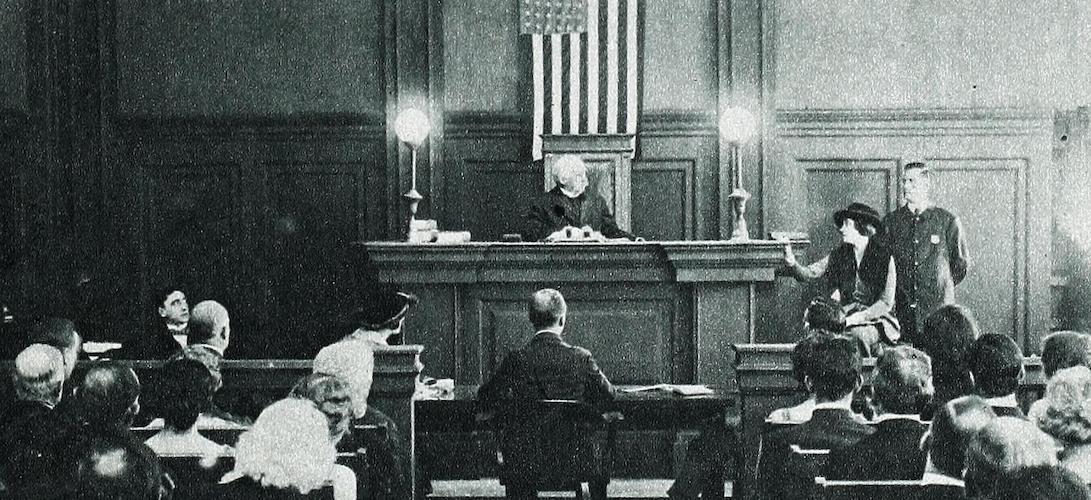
(680, 389)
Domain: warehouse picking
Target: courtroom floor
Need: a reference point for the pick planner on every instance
(483, 489)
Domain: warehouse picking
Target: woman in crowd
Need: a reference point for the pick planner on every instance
(287, 454)
(860, 275)
(1067, 418)
(1004, 446)
(332, 396)
(1060, 350)
(186, 389)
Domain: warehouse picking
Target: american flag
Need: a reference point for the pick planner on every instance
(584, 66)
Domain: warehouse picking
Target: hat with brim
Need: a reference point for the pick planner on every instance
(382, 306)
(861, 213)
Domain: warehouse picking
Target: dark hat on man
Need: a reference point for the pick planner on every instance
(382, 305)
(859, 212)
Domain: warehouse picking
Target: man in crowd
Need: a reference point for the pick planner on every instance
(107, 399)
(568, 206)
(28, 428)
(160, 341)
(61, 334)
(996, 364)
(836, 378)
(902, 387)
(113, 467)
(929, 252)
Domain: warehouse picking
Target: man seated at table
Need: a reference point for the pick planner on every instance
(548, 367)
(569, 211)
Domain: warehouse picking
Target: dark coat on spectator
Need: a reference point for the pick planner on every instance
(892, 452)
(828, 428)
(31, 440)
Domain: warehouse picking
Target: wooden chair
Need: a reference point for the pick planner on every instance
(194, 477)
(803, 465)
(554, 445)
(895, 489)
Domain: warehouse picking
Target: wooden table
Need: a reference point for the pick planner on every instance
(657, 426)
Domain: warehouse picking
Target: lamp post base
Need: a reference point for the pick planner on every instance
(738, 199)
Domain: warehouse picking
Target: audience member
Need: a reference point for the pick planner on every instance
(953, 425)
(61, 334)
(1060, 350)
(332, 396)
(380, 318)
(1040, 483)
(823, 316)
(803, 370)
(353, 361)
(548, 367)
(902, 386)
(1067, 417)
(107, 399)
(287, 452)
(996, 364)
(30, 426)
(837, 377)
(209, 328)
(186, 393)
(1004, 446)
(160, 342)
(113, 467)
(948, 334)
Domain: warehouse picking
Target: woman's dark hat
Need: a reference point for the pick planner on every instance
(384, 304)
(859, 212)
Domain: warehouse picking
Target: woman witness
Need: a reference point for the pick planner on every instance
(1067, 418)
(287, 454)
(859, 274)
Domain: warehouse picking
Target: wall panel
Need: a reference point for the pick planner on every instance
(680, 56)
(286, 57)
(486, 62)
(13, 53)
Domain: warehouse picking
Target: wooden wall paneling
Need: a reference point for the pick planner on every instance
(642, 322)
(988, 194)
(663, 199)
(685, 143)
(490, 178)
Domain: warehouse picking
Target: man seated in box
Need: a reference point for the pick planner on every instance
(569, 211)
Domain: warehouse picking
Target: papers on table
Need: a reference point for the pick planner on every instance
(680, 389)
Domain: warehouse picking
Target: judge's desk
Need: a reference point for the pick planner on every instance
(456, 440)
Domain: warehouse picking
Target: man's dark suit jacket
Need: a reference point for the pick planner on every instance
(554, 210)
(30, 446)
(157, 343)
(892, 452)
(547, 368)
(828, 428)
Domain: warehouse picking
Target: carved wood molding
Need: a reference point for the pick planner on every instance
(363, 128)
(913, 122)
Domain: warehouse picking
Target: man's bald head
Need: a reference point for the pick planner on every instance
(39, 374)
(209, 324)
(547, 308)
(108, 395)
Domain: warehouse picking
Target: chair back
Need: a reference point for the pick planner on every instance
(554, 445)
(803, 465)
(895, 489)
(195, 477)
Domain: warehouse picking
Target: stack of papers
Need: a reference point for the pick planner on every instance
(680, 389)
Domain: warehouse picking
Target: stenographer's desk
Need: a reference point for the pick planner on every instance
(453, 443)
(650, 312)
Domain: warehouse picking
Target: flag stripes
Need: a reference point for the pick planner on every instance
(586, 83)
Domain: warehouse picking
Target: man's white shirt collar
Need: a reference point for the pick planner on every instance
(556, 330)
(897, 416)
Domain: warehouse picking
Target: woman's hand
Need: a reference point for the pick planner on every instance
(789, 255)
